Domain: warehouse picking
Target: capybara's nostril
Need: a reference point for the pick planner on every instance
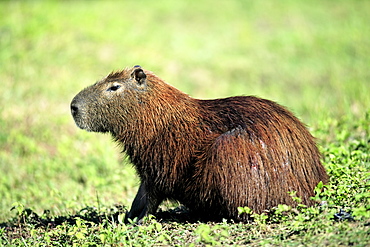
(74, 109)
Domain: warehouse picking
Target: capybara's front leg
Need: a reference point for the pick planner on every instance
(144, 204)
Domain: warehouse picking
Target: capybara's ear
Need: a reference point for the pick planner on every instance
(139, 75)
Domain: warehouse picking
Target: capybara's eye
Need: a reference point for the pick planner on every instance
(113, 88)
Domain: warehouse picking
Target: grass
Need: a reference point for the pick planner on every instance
(63, 186)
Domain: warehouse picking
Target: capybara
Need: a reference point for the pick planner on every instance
(212, 156)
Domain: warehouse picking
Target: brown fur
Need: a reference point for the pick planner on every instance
(211, 155)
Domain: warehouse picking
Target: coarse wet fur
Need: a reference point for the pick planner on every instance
(212, 156)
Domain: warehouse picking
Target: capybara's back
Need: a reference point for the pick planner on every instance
(213, 156)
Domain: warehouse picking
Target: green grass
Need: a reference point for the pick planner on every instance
(311, 56)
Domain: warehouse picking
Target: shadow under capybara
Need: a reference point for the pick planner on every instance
(212, 156)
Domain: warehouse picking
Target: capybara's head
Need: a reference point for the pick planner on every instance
(106, 105)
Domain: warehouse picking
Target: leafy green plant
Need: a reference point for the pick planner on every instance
(213, 235)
